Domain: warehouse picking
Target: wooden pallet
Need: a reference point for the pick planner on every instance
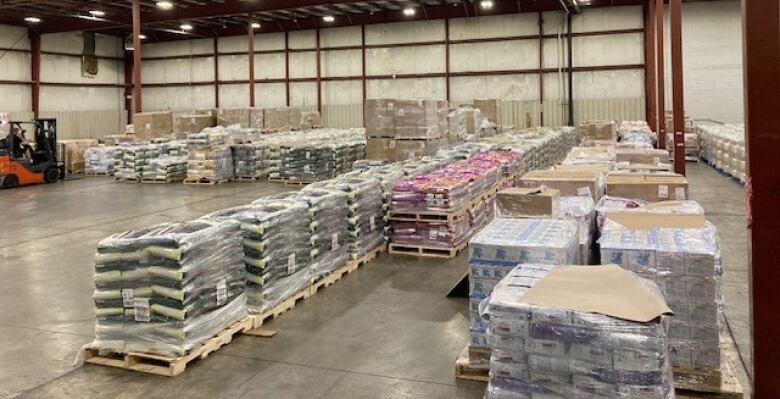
(723, 383)
(205, 182)
(427, 251)
(126, 179)
(160, 181)
(252, 178)
(164, 365)
(277, 179)
(278, 310)
(441, 216)
(297, 183)
(104, 174)
(368, 256)
(466, 370)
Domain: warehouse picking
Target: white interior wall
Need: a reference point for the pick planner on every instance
(14, 66)
(712, 61)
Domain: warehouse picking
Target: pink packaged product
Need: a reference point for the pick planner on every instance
(453, 186)
(432, 234)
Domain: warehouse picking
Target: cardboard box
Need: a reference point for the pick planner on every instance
(665, 214)
(380, 118)
(380, 149)
(296, 117)
(410, 149)
(418, 119)
(593, 168)
(570, 183)
(188, 124)
(598, 130)
(257, 118)
(150, 125)
(71, 153)
(238, 116)
(526, 202)
(641, 156)
(311, 120)
(490, 109)
(647, 187)
(276, 119)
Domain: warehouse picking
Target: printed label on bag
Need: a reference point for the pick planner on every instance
(308, 155)
(583, 192)
(663, 191)
(334, 244)
(657, 160)
(291, 264)
(432, 234)
(222, 292)
(127, 297)
(141, 309)
(391, 145)
(679, 193)
(372, 223)
(306, 168)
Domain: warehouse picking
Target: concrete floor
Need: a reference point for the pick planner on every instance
(387, 331)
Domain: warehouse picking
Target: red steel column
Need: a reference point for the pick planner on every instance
(363, 70)
(678, 107)
(659, 33)
(287, 66)
(216, 72)
(319, 75)
(761, 59)
(447, 57)
(650, 74)
(35, 70)
(137, 56)
(251, 33)
(541, 73)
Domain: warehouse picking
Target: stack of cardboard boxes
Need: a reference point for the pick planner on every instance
(405, 129)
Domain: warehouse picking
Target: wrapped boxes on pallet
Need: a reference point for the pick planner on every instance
(380, 149)
(329, 227)
(230, 117)
(380, 118)
(151, 125)
(71, 152)
(597, 130)
(99, 160)
(278, 119)
(210, 159)
(647, 186)
(680, 251)
(516, 202)
(583, 211)
(366, 214)
(166, 289)
(420, 119)
(311, 120)
(184, 125)
(550, 338)
(571, 183)
(723, 146)
(504, 243)
(490, 110)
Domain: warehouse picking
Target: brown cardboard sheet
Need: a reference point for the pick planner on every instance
(609, 290)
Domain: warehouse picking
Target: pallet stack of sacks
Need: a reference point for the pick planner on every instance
(166, 289)
(210, 158)
(307, 162)
(637, 134)
(99, 160)
(250, 160)
(502, 245)
(550, 339)
(672, 244)
(723, 146)
(169, 168)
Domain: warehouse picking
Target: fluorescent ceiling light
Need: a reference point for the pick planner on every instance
(32, 20)
(486, 4)
(186, 27)
(165, 5)
(409, 11)
(255, 25)
(328, 18)
(142, 36)
(97, 13)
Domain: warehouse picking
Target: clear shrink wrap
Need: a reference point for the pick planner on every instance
(167, 288)
(583, 211)
(366, 214)
(543, 352)
(685, 263)
(503, 244)
(249, 160)
(99, 160)
(167, 168)
(209, 157)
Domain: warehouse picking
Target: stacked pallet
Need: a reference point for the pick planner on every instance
(405, 129)
(723, 146)
(210, 159)
(366, 217)
(99, 160)
(165, 169)
(637, 134)
(329, 227)
(249, 161)
(166, 289)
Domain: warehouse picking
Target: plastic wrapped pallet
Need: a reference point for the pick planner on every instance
(637, 133)
(238, 116)
(210, 159)
(597, 130)
(166, 289)
(564, 351)
(420, 119)
(73, 154)
(99, 160)
(277, 119)
(685, 262)
(504, 243)
(380, 118)
(311, 120)
(168, 168)
(151, 125)
(184, 125)
(275, 236)
(583, 211)
(366, 213)
(249, 160)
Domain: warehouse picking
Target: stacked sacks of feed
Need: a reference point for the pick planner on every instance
(249, 160)
(366, 214)
(166, 289)
(210, 159)
(166, 168)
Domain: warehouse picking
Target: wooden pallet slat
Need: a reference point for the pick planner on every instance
(427, 251)
(205, 181)
(466, 370)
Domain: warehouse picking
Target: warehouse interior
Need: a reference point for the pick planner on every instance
(516, 95)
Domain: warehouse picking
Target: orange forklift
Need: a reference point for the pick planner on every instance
(21, 164)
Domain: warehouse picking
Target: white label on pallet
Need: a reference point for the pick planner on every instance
(584, 192)
(141, 309)
(334, 244)
(127, 297)
(372, 223)
(656, 160)
(308, 155)
(432, 234)
(222, 292)
(679, 193)
(291, 264)
(306, 168)
(391, 144)
(663, 191)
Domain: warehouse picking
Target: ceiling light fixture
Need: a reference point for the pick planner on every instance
(255, 25)
(328, 18)
(186, 27)
(165, 5)
(32, 20)
(97, 13)
(142, 36)
(486, 4)
(409, 11)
